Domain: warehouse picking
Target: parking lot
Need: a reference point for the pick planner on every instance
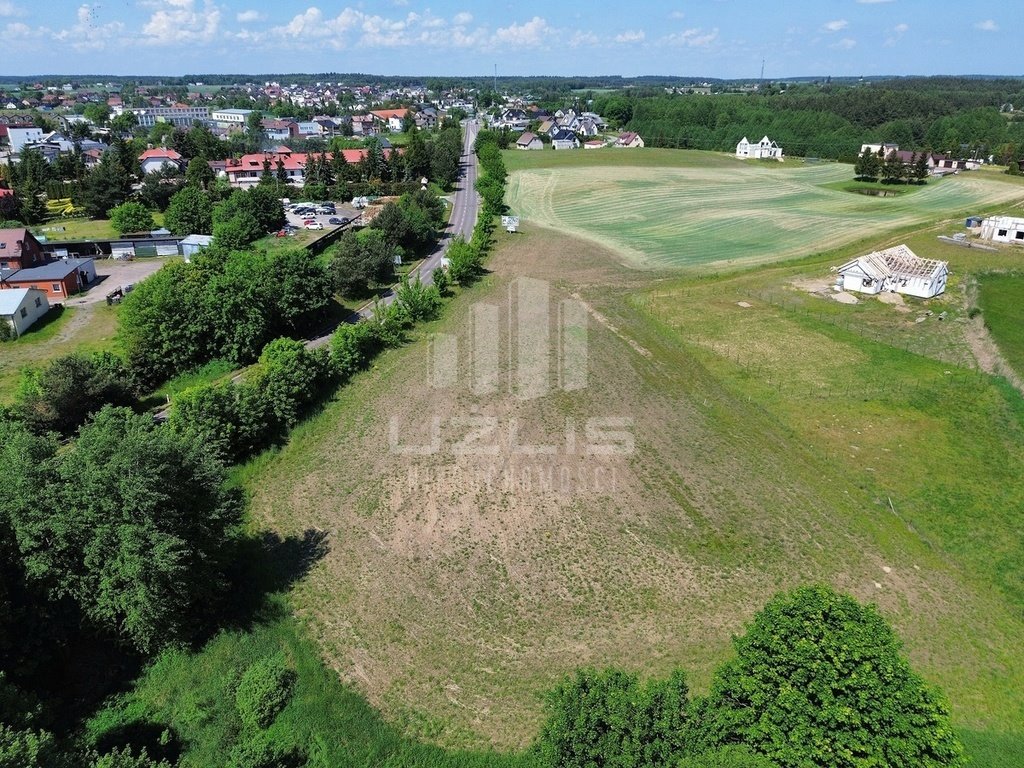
(343, 213)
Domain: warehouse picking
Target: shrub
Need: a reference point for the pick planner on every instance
(258, 750)
(353, 346)
(131, 217)
(421, 302)
(264, 690)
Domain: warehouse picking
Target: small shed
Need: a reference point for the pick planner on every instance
(193, 244)
(1003, 229)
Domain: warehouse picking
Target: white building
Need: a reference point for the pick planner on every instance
(230, 118)
(21, 307)
(897, 270)
(765, 149)
(1003, 229)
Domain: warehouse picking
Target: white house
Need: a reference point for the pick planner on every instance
(1003, 229)
(765, 149)
(564, 139)
(154, 160)
(629, 139)
(529, 141)
(21, 307)
(897, 270)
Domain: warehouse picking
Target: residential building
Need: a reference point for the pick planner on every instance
(21, 307)
(18, 136)
(279, 129)
(58, 279)
(19, 249)
(154, 160)
(564, 139)
(529, 141)
(629, 139)
(897, 270)
(765, 149)
(392, 119)
(231, 120)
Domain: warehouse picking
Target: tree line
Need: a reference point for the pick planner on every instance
(960, 117)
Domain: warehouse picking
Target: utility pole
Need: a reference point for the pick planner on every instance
(762, 72)
(495, 79)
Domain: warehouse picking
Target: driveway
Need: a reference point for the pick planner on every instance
(111, 274)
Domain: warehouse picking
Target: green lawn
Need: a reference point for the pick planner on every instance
(702, 208)
(85, 229)
(1001, 298)
(74, 329)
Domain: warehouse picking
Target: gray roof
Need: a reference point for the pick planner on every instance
(197, 240)
(56, 270)
(12, 298)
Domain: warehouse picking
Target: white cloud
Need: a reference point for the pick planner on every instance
(677, 15)
(835, 26)
(7, 8)
(248, 16)
(530, 34)
(89, 33)
(583, 39)
(178, 21)
(692, 38)
(987, 26)
(462, 19)
(630, 36)
(900, 29)
(846, 44)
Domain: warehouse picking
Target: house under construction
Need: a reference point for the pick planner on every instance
(896, 269)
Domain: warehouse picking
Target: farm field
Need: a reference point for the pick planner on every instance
(701, 208)
(1001, 298)
(792, 441)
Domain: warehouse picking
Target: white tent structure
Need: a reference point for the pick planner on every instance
(897, 270)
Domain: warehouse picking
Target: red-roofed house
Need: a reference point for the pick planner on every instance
(154, 160)
(19, 249)
(629, 139)
(393, 119)
(247, 170)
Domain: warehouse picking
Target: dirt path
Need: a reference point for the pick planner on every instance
(983, 346)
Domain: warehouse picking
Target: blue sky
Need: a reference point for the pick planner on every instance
(714, 38)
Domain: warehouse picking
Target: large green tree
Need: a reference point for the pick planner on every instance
(819, 680)
(133, 523)
(190, 212)
(131, 217)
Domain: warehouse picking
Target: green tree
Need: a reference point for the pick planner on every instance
(64, 394)
(867, 165)
(131, 217)
(609, 718)
(190, 212)
(819, 679)
(135, 526)
(125, 758)
(106, 187)
(199, 173)
(97, 113)
(237, 232)
(421, 302)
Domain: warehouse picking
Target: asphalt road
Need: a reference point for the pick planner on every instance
(465, 209)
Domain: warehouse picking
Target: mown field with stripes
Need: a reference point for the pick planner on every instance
(667, 208)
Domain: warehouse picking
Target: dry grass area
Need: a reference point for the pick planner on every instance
(461, 584)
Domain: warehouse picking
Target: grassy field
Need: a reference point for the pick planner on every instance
(85, 229)
(703, 208)
(481, 546)
(1001, 298)
(73, 329)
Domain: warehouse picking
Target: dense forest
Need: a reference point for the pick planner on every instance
(959, 116)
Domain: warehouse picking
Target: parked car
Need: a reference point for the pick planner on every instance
(315, 225)
(308, 221)
(335, 220)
